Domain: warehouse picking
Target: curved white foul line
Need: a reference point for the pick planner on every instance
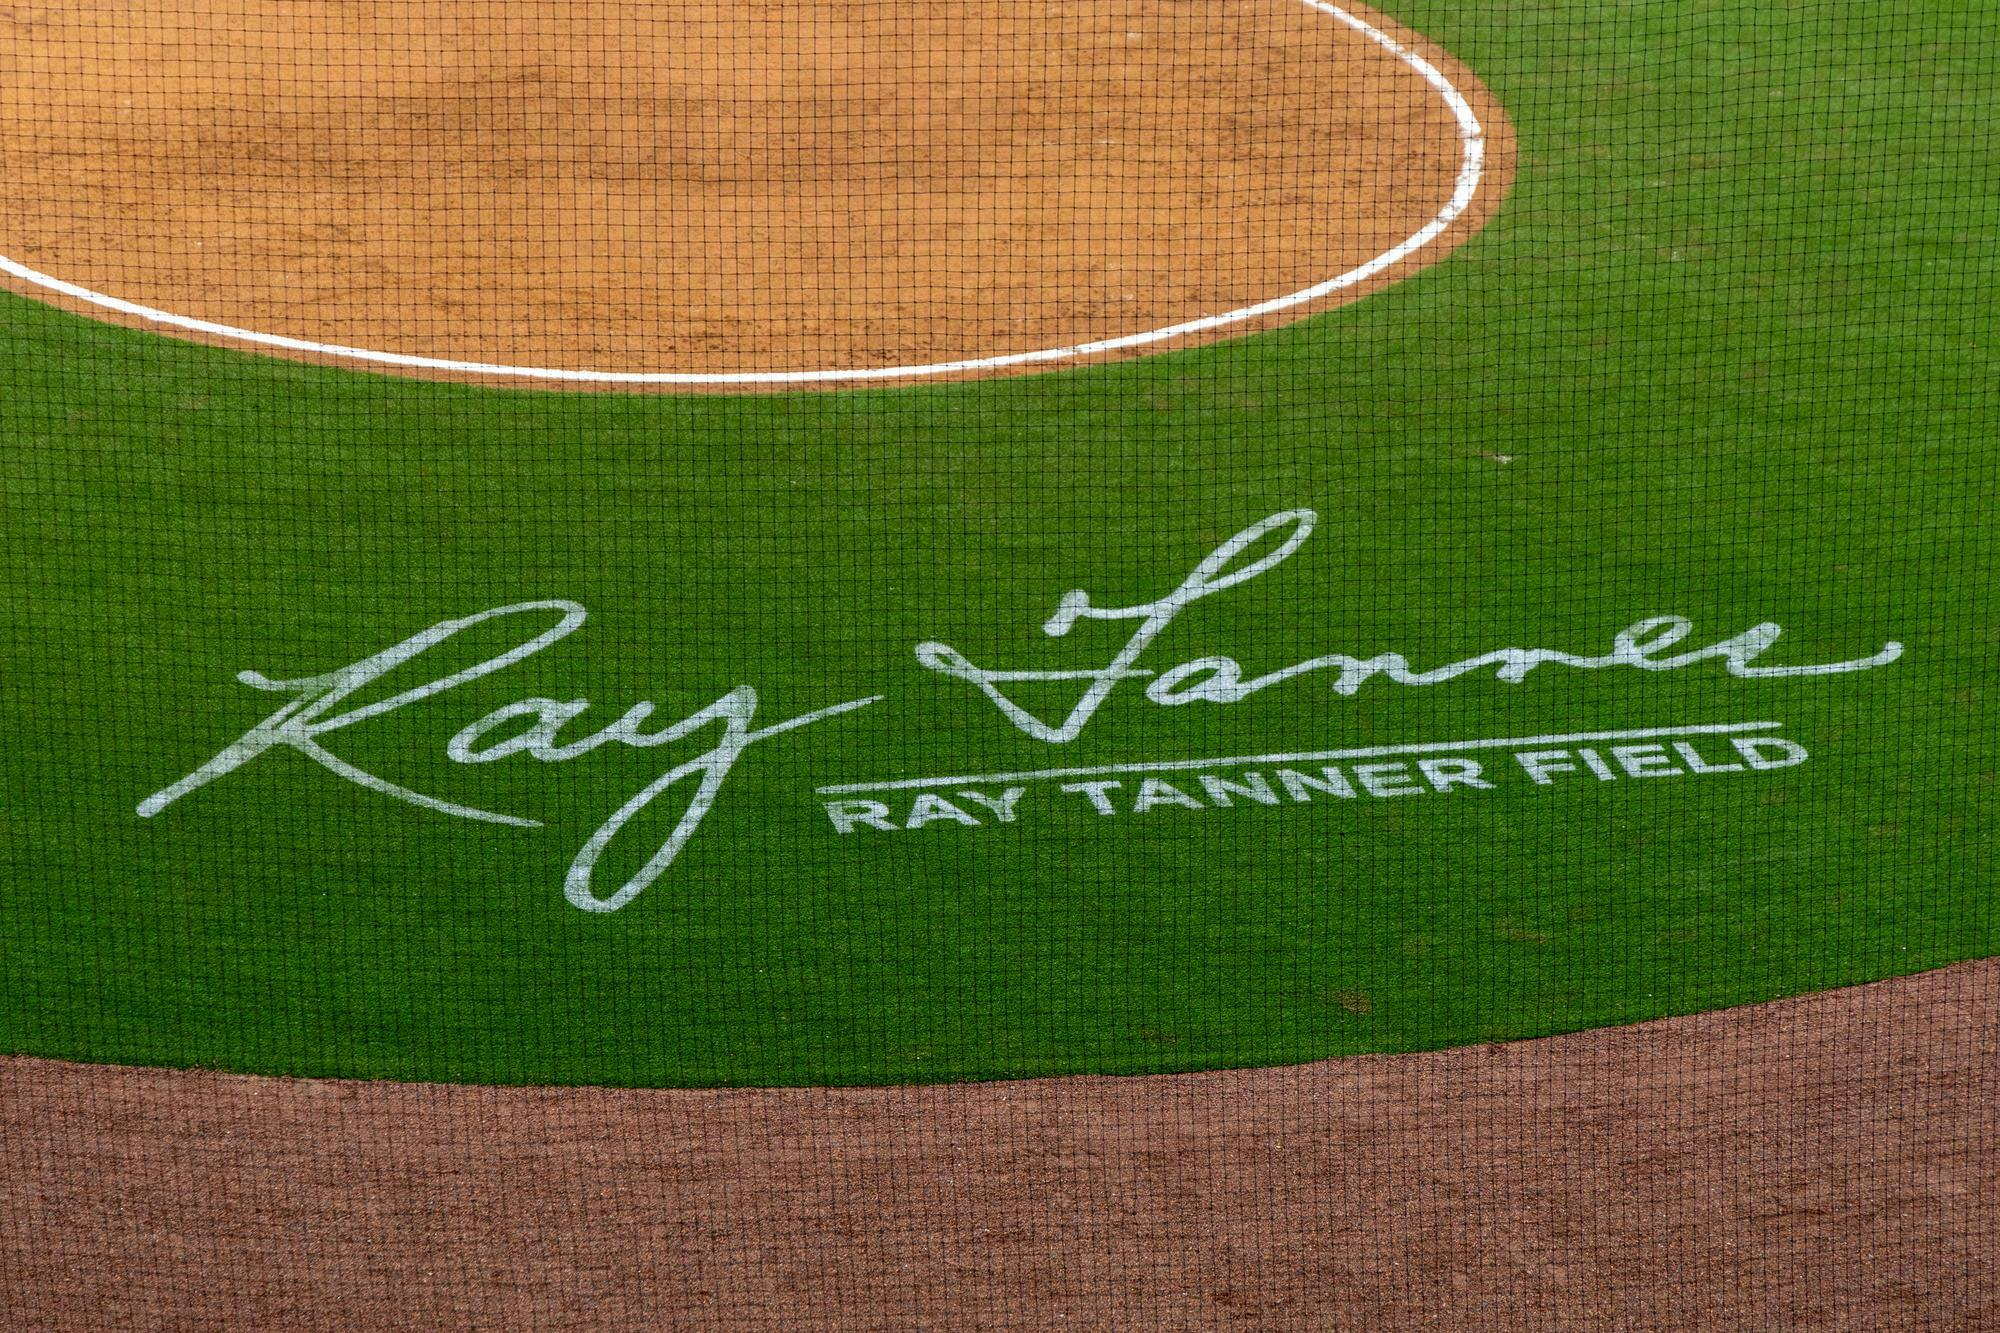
(1471, 135)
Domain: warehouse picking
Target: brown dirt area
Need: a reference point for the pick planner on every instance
(1831, 1161)
(701, 188)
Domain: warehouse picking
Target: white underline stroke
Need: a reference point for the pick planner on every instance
(1472, 138)
(1312, 757)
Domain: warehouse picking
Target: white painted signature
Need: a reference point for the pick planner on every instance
(314, 711)
(300, 724)
(1220, 679)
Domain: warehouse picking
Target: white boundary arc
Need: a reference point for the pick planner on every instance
(1472, 138)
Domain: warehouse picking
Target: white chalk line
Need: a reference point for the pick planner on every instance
(1310, 757)
(1472, 137)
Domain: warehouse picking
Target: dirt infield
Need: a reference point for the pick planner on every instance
(714, 190)
(1824, 1162)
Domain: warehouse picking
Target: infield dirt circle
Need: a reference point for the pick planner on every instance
(700, 194)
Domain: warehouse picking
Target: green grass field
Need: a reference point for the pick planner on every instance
(1726, 354)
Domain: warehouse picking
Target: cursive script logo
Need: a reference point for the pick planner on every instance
(300, 724)
(316, 706)
(1221, 680)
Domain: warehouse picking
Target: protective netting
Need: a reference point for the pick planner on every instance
(1116, 663)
